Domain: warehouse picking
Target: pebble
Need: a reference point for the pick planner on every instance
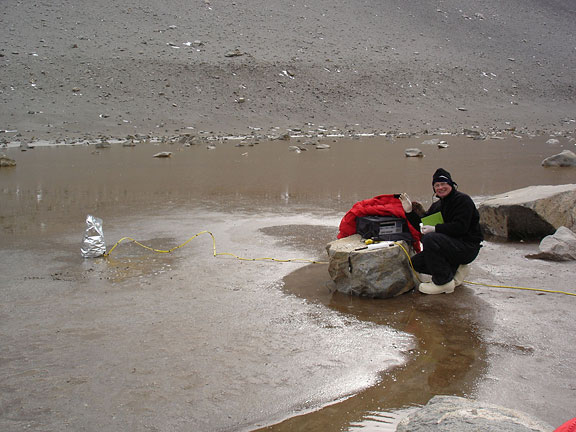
(413, 152)
(5, 161)
(163, 155)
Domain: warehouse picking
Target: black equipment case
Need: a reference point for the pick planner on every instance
(383, 228)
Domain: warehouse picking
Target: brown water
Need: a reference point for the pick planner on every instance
(297, 200)
(50, 182)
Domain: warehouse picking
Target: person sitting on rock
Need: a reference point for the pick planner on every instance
(450, 246)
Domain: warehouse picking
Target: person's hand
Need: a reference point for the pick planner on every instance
(406, 203)
(426, 229)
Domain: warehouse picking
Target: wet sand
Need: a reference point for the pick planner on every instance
(150, 342)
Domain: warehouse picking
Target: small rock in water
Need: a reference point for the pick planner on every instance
(413, 152)
(553, 141)
(165, 154)
(5, 161)
(443, 144)
(322, 146)
(565, 158)
(431, 142)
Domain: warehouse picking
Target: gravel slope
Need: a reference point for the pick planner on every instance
(87, 68)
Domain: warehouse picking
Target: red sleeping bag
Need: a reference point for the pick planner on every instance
(382, 205)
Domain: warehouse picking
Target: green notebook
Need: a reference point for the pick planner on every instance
(433, 219)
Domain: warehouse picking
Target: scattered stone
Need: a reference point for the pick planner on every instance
(462, 109)
(164, 154)
(565, 158)
(530, 213)
(471, 132)
(5, 161)
(210, 147)
(235, 53)
(322, 146)
(283, 137)
(456, 414)
(413, 152)
(130, 143)
(296, 149)
(560, 246)
(377, 273)
(103, 145)
(553, 141)
(443, 144)
(434, 141)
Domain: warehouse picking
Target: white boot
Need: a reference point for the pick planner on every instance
(432, 288)
(461, 274)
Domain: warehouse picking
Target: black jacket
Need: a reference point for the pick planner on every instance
(461, 217)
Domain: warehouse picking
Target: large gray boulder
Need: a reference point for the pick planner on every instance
(560, 246)
(565, 158)
(378, 273)
(455, 414)
(530, 213)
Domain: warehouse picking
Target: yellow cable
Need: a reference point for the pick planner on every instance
(521, 288)
(301, 260)
(213, 249)
(487, 285)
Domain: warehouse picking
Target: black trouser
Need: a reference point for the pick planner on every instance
(442, 255)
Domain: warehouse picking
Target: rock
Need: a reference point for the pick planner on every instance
(375, 273)
(553, 141)
(284, 137)
(103, 144)
(471, 132)
(456, 414)
(434, 141)
(296, 149)
(443, 144)
(565, 158)
(322, 146)
(530, 213)
(235, 53)
(5, 161)
(413, 152)
(165, 154)
(560, 246)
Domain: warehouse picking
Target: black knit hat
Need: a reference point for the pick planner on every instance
(441, 175)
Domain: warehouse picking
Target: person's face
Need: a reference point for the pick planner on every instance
(442, 189)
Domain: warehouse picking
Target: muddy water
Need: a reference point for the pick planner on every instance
(50, 182)
(294, 200)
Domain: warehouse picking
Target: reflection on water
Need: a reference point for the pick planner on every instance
(51, 190)
(49, 183)
(449, 359)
